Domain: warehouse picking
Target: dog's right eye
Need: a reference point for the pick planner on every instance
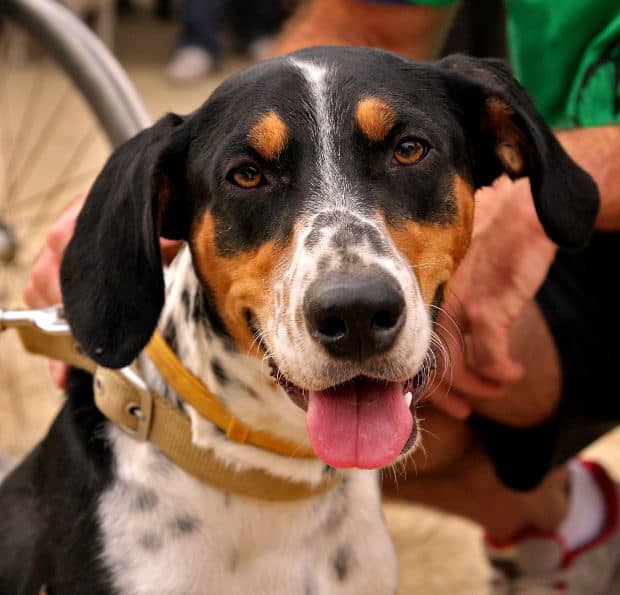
(410, 151)
(246, 176)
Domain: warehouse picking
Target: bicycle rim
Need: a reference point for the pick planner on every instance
(64, 101)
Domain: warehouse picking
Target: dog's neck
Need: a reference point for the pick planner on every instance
(242, 382)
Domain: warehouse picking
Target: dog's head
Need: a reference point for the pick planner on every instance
(327, 198)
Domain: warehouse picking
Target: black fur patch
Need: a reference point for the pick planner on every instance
(150, 542)
(143, 499)
(216, 324)
(197, 310)
(219, 372)
(185, 300)
(329, 471)
(341, 562)
(170, 335)
(185, 524)
(339, 507)
(351, 234)
(252, 393)
(326, 220)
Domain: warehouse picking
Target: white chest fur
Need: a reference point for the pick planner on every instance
(165, 533)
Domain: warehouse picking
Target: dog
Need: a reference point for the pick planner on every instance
(325, 199)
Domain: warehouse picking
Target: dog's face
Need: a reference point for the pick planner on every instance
(339, 203)
(327, 198)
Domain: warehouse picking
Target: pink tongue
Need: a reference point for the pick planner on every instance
(362, 424)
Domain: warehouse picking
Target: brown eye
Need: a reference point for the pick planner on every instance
(246, 176)
(409, 151)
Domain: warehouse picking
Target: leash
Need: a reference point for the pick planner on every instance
(123, 398)
(46, 332)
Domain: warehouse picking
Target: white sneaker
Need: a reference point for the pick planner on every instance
(538, 563)
(189, 63)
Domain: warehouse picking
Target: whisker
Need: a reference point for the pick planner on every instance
(453, 321)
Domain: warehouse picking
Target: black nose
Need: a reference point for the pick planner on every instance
(355, 316)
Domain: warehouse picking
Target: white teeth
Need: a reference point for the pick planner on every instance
(408, 398)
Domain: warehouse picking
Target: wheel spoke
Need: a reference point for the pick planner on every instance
(21, 209)
(35, 92)
(36, 148)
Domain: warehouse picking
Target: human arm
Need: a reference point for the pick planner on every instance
(507, 262)
(597, 150)
(415, 31)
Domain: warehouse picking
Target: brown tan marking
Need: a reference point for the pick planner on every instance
(374, 117)
(268, 137)
(238, 283)
(510, 141)
(434, 250)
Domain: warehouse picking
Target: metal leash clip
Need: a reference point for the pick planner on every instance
(46, 332)
(49, 320)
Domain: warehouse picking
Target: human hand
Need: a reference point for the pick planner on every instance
(507, 261)
(43, 287)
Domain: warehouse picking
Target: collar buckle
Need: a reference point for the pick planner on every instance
(141, 411)
(123, 396)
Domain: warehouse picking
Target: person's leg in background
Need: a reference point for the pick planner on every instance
(255, 22)
(198, 45)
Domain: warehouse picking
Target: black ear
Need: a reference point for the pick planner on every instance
(509, 135)
(111, 274)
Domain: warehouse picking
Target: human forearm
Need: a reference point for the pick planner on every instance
(411, 30)
(597, 150)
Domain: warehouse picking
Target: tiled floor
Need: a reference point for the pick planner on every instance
(439, 555)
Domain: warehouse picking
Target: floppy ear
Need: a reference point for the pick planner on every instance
(509, 135)
(111, 274)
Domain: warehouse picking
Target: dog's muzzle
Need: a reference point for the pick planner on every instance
(357, 317)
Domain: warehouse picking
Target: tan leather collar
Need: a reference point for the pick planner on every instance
(150, 416)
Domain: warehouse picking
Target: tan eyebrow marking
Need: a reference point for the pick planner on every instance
(269, 135)
(374, 117)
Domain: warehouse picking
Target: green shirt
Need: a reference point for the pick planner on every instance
(566, 53)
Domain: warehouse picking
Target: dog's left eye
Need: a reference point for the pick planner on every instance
(410, 151)
(246, 176)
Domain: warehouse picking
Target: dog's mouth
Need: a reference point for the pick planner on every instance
(364, 422)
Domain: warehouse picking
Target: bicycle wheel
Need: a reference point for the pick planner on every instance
(62, 108)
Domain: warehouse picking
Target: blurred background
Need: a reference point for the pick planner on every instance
(51, 148)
